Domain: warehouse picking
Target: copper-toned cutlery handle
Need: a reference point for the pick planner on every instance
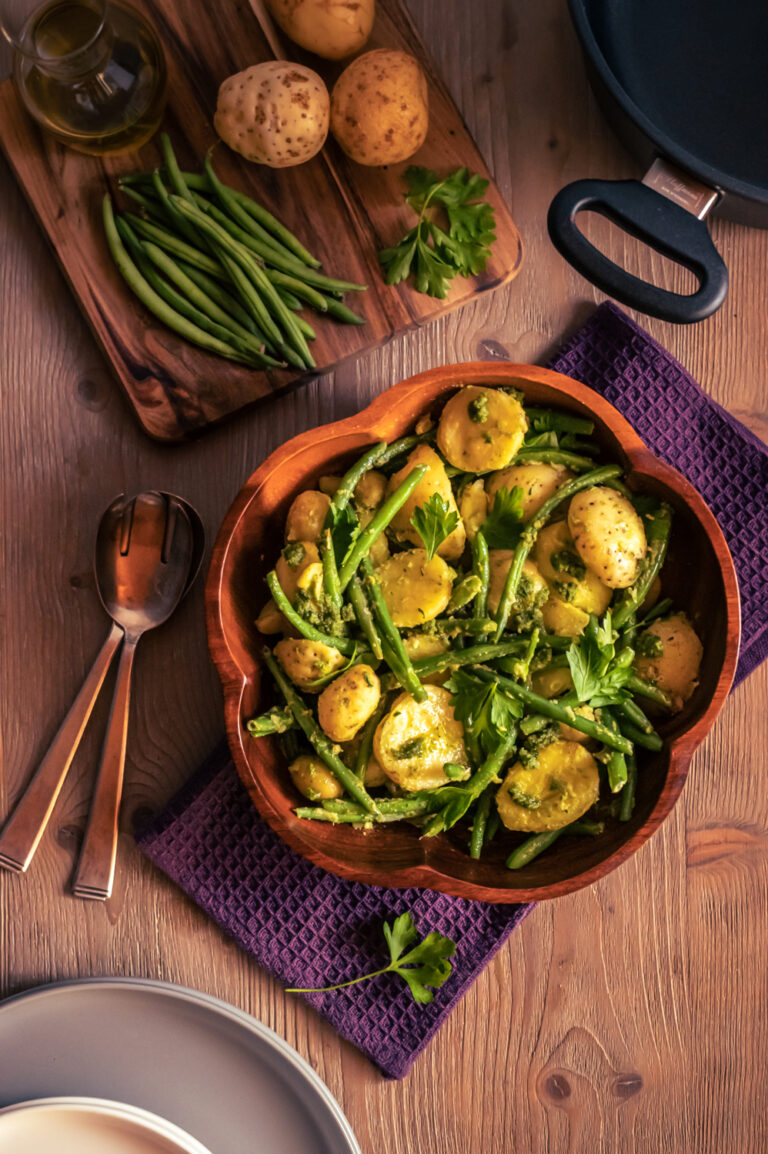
(26, 825)
(96, 868)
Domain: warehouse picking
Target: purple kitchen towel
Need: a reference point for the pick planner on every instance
(726, 462)
(310, 928)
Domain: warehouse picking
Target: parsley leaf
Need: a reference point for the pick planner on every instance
(599, 673)
(434, 521)
(486, 713)
(501, 528)
(434, 254)
(425, 965)
(345, 529)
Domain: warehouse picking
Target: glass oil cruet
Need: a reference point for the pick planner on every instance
(91, 72)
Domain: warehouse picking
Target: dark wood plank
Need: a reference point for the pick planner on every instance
(344, 212)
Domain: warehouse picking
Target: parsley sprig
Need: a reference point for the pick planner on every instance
(434, 521)
(424, 968)
(435, 256)
(503, 524)
(599, 672)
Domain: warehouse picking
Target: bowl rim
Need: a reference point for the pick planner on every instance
(379, 412)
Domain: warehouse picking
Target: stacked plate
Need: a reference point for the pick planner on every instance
(124, 1066)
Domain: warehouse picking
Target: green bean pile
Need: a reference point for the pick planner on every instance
(552, 708)
(218, 269)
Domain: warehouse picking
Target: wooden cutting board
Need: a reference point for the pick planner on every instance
(343, 212)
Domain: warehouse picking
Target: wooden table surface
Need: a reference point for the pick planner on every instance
(629, 1017)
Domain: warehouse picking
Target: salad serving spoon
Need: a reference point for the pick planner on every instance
(139, 587)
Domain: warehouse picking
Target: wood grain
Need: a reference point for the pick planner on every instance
(345, 213)
(699, 577)
(658, 970)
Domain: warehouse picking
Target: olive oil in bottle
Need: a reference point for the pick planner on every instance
(92, 73)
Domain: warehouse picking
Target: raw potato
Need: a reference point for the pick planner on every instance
(313, 779)
(427, 645)
(289, 575)
(608, 534)
(435, 480)
(473, 506)
(586, 592)
(415, 590)
(538, 481)
(306, 662)
(564, 783)
(275, 113)
(480, 445)
(306, 516)
(329, 28)
(345, 705)
(414, 740)
(500, 561)
(676, 668)
(379, 108)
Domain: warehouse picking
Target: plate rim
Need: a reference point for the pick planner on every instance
(219, 1006)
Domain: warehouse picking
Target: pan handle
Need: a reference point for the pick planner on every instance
(658, 221)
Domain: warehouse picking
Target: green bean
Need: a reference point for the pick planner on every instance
(322, 745)
(457, 805)
(457, 626)
(303, 292)
(306, 329)
(350, 817)
(635, 715)
(582, 827)
(616, 765)
(555, 710)
(408, 806)
(629, 791)
(289, 300)
(365, 748)
(349, 481)
(340, 312)
(174, 245)
(464, 591)
(636, 684)
(344, 644)
(523, 854)
(545, 419)
(658, 611)
(200, 183)
(378, 523)
(657, 530)
(153, 301)
(402, 446)
(637, 736)
(554, 457)
(394, 651)
(251, 351)
(427, 666)
(364, 616)
(533, 723)
(481, 567)
(274, 721)
(257, 308)
(492, 828)
(223, 299)
(170, 212)
(148, 203)
(528, 537)
(479, 823)
(263, 249)
(331, 585)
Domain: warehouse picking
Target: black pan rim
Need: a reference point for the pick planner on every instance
(666, 145)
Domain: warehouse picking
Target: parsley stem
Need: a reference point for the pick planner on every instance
(341, 985)
(528, 537)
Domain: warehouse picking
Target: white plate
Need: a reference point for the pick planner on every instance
(89, 1126)
(187, 1057)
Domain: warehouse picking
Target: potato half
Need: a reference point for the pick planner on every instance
(553, 793)
(415, 590)
(416, 739)
(481, 429)
(435, 480)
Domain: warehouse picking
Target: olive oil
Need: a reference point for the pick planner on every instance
(92, 74)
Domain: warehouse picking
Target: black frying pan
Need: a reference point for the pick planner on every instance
(685, 84)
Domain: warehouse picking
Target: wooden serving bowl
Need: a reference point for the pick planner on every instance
(698, 575)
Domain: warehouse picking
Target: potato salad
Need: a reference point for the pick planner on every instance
(473, 632)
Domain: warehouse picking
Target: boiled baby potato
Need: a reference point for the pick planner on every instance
(538, 482)
(608, 534)
(427, 645)
(313, 779)
(306, 662)
(345, 705)
(293, 562)
(566, 573)
(531, 586)
(414, 589)
(275, 113)
(561, 787)
(562, 618)
(379, 107)
(306, 516)
(551, 682)
(379, 550)
(415, 740)
(371, 489)
(332, 29)
(271, 620)
(481, 429)
(435, 480)
(473, 506)
(669, 655)
(568, 733)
